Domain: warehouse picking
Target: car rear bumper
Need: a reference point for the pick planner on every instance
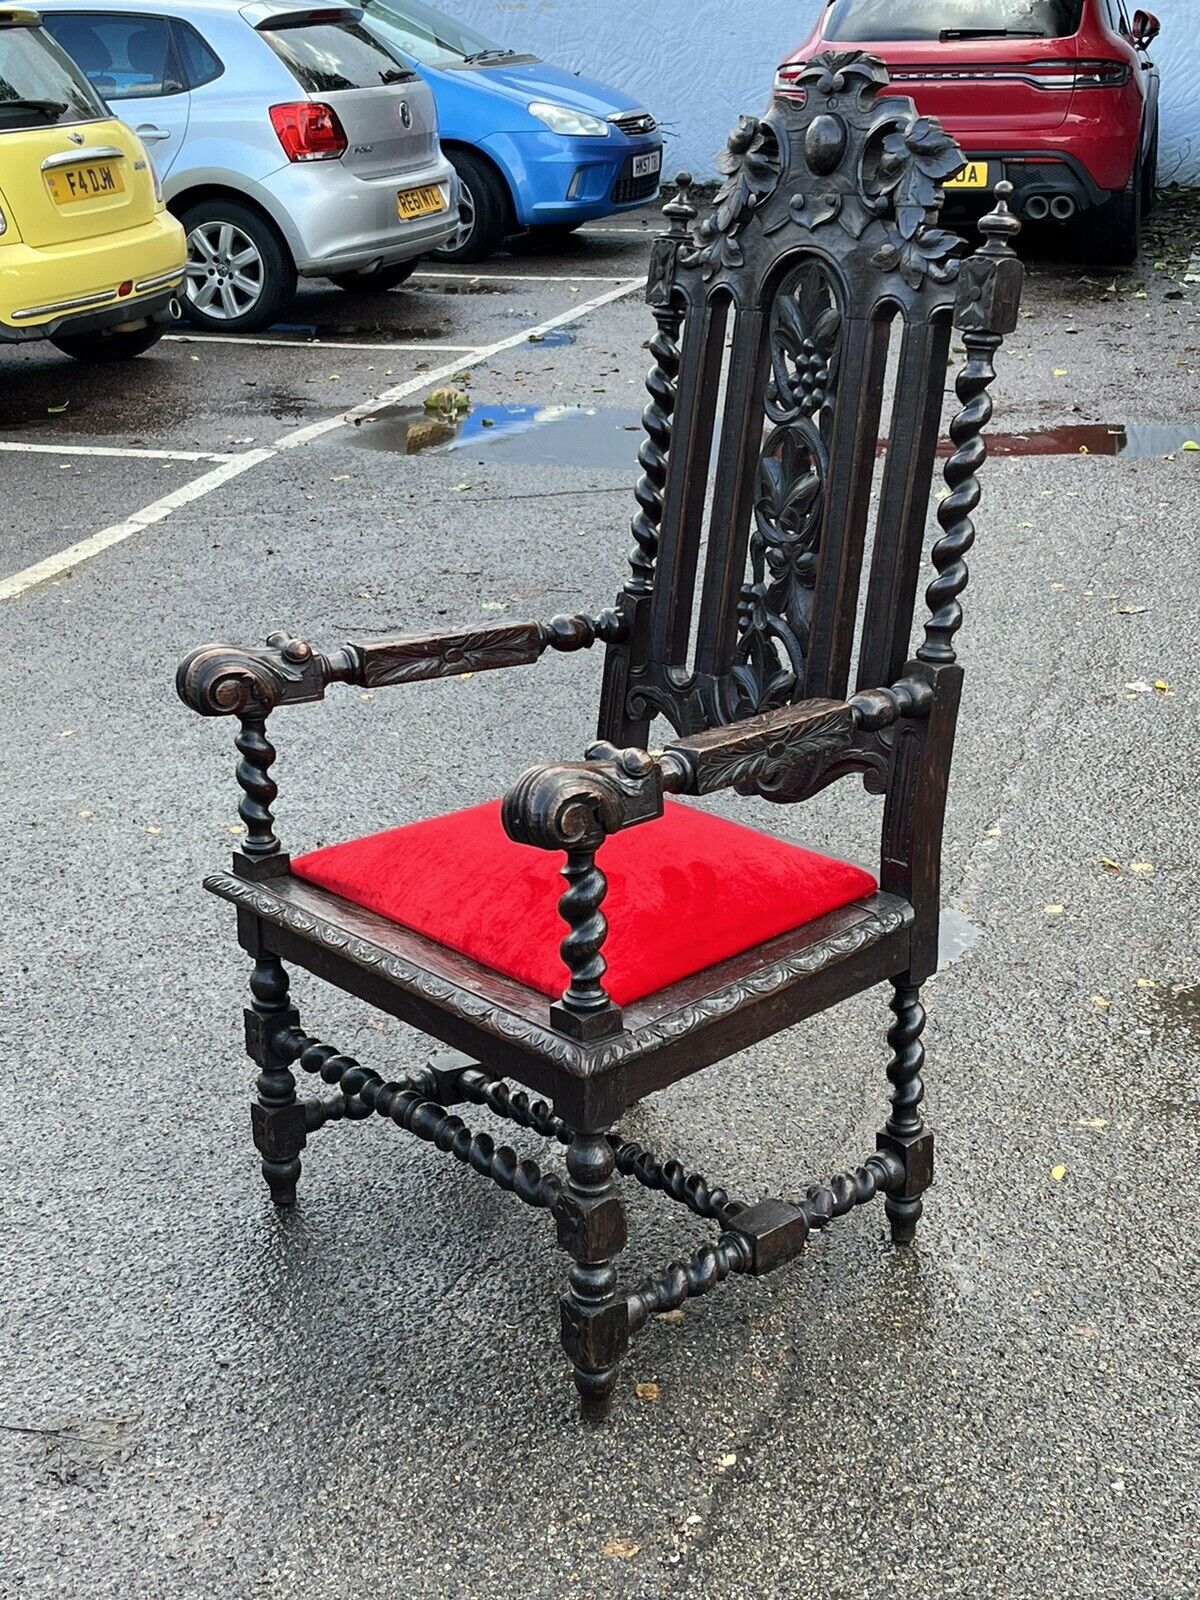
(76, 287)
(1033, 174)
(556, 180)
(339, 222)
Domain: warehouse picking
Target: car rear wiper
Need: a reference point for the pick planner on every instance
(50, 109)
(397, 75)
(989, 33)
(488, 55)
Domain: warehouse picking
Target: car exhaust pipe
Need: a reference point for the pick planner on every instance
(174, 309)
(1037, 208)
(1062, 207)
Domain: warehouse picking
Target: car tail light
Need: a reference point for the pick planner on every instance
(785, 80)
(1059, 74)
(1101, 74)
(309, 131)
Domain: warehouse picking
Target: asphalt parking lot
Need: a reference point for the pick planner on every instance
(366, 1397)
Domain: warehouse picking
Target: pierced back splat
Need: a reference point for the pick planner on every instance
(822, 239)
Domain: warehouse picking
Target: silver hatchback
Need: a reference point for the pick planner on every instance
(288, 141)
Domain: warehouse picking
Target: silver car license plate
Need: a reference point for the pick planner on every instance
(643, 166)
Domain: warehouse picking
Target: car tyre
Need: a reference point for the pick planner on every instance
(239, 274)
(377, 282)
(483, 211)
(115, 345)
(1113, 233)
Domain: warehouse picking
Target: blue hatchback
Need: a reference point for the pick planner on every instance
(535, 146)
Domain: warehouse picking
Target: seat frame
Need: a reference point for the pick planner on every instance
(823, 233)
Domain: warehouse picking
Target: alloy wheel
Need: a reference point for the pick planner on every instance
(225, 275)
(466, 222)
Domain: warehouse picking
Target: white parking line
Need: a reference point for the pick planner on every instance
(19, 448)
(54, 566)
(311, 344)
(64, 560)
(524, 277)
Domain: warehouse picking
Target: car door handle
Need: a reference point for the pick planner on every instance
(149, 134)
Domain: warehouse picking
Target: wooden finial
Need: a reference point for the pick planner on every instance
(679, 210)
(999, 227)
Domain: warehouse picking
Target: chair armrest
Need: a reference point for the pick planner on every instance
(224, 680)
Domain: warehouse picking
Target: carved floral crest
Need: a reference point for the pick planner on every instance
(862, 160)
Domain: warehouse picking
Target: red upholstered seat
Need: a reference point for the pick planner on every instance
(684, 892)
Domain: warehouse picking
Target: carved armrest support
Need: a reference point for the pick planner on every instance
(224, 680)
(574, 807)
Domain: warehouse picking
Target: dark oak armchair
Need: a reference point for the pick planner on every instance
(822, 250)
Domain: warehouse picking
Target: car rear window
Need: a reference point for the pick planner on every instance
(39, 85)
(327, 56)
(864, 20)
(124, 56)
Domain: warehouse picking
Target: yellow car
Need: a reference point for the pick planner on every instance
(89, 257)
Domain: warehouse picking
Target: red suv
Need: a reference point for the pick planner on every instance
(1058, 96)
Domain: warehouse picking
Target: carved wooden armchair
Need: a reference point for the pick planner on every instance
(823, 246)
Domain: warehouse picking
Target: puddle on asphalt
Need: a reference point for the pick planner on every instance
(600, 436)
(1136, 439)
(556, 339)
(957, 935)
(581, 436)
(305, 333)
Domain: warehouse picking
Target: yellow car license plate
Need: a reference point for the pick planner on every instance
(975, 175)
(423, 202)
(90, 182)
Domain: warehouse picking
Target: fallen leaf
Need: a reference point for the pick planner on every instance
(671, 1318)
(1101, 1002)
(1058, 1173)
(729, 1459)
(1054, 911)
(624, 1549)
(1146, 983)
(993, 833)
(465, 677)
(646, 1391)
(494, 605)
(1142, 869)
(1060, 372)
(152, 829)
(57, 411)
(1110, 865)
(460, 488)
(1189, 444)
(86, 814)
(1162, 686)
(1140, 687)
(1093, 1122)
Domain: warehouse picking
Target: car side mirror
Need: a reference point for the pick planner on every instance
(1146, 28)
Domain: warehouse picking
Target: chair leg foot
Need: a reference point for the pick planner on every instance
(903, 1216)
(590, 1216)
(277, 1119)
(905, 1133)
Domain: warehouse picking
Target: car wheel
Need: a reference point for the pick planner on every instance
(377, 282)
(239, 275)
(117, 345)
(482, 211)
(1113, 231)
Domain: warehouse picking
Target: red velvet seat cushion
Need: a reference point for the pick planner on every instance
(684, 892)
